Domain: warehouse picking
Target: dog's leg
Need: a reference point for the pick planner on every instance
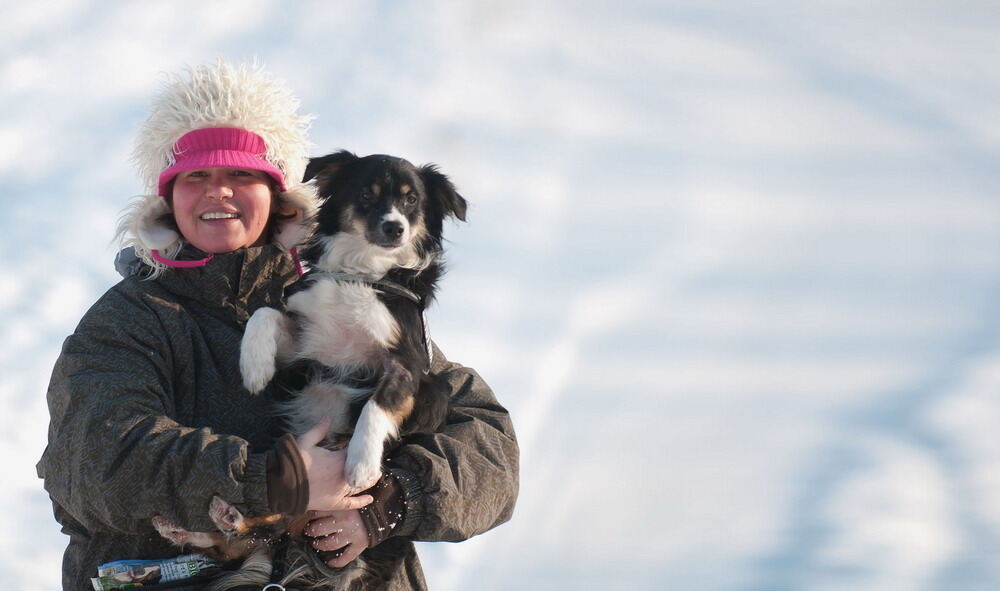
(267, 340)
(226, 517)
(364, 452)
(243, 535)
(380, 420)
(323, 399)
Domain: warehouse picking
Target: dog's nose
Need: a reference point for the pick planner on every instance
(392, 229)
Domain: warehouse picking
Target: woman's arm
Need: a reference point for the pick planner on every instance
(449, 486)
(462, 480)
(116, 454)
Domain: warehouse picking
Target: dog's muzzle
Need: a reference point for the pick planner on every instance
(390, 234)
(392, 230)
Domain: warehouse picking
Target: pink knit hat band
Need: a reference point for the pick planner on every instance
(219, 147)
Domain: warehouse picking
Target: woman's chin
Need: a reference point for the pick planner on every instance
(219, 245)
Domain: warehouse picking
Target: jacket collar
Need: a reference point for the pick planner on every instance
(234, 283)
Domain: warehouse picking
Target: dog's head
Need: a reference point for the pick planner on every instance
(237, 537)
(243, 535)
(378, 212)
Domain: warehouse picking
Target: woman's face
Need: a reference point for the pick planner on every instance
(222, 209)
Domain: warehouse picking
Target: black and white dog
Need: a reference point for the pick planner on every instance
(356, 319)
(354, 328)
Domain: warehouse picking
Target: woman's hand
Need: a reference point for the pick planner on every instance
(339, 530)
(328, 490)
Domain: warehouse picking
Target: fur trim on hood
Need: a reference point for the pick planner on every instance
(147, 224)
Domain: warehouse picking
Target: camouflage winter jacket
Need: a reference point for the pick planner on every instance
(147, 418)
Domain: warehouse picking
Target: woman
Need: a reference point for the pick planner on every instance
(147, 413)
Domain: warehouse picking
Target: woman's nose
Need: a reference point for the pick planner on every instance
(218, 190)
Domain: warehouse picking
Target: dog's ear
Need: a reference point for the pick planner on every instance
(227, 518)
(443, 192)
(323, 168)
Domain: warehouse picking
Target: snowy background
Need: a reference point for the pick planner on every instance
(734, 267)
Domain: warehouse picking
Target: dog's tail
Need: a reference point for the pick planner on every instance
(256, 571)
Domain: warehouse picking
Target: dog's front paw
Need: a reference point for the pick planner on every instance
(259, 349)
(362, 471)
(256, 379)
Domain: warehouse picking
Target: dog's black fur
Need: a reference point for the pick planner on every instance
(346, 181)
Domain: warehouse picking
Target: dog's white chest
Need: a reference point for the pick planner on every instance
(342, 323)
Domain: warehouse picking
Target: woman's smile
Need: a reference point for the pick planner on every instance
(222, 209)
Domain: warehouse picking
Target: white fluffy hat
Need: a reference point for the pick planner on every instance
(223, 95)
(210, 96)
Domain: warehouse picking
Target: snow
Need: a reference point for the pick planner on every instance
(732, 266)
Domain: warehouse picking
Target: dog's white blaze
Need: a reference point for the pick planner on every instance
(395, 216)
(364, 452)
(343, 323)
(321, 399)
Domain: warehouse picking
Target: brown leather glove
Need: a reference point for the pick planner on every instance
(386, 513)
(287, 483)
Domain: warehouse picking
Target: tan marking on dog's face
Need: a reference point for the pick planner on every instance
(404, 189)
(417, 229)
(376, 189)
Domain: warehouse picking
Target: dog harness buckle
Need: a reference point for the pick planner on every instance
(272, 587)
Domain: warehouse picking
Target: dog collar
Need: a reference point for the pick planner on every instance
(383, 285)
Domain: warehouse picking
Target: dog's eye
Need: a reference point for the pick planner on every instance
(410, 199)
(366, 195)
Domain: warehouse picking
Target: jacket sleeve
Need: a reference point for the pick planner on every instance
(462, 480)
(116, 453)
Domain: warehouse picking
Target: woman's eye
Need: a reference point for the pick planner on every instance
(242, 173)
